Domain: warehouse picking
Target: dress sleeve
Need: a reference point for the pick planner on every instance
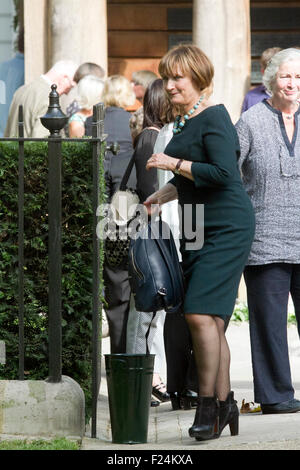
(221, 147)
(147, 182)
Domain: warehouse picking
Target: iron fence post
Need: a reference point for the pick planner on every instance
(97, 132)
(21, 244)
(54, 120)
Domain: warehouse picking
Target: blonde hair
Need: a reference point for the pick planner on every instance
(89, 91)
(191, 61)
(118, 92)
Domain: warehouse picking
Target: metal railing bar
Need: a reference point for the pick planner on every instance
(96, 348)
(21, 245)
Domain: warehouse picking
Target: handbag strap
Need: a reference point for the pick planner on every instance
(127, 173)
(148, 331)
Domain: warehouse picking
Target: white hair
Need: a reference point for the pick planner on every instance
(64, 67)
(89, 91)
(286, 55)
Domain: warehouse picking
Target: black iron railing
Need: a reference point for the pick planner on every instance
(54, 121)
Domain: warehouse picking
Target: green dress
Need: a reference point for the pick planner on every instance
(212, 266)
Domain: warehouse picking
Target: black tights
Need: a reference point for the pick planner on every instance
(212, 354)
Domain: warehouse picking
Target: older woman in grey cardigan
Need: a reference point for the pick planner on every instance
(269, 138)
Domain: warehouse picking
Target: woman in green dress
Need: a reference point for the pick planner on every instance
(203, 155)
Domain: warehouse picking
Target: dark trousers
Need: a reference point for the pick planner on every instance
(181, 368)
(268, 288)
(117, 296)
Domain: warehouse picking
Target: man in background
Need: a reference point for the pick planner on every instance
(140, 80)
(35, 99)
(259, 93)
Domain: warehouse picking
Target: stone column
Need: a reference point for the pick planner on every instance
(35, 27)
(221, 28)
(78, 31)
(63, 29)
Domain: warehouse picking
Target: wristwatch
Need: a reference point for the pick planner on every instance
(177, 168)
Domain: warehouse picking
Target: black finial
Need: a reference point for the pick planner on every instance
(54, 120)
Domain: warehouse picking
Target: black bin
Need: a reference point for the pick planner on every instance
(129, 383)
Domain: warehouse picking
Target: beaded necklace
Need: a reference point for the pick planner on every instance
(180, 121)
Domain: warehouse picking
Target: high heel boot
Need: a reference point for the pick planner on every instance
(229, 414)
(206, 422)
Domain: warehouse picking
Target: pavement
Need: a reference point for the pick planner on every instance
(168, 429)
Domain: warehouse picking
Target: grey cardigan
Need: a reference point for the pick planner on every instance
(270, 170)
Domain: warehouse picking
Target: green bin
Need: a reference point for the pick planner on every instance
(129, 384)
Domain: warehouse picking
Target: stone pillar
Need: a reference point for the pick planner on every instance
(35, 27)
(78, 31)
(221, 28)
(64, 29)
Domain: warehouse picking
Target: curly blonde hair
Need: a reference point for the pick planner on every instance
(118, 92)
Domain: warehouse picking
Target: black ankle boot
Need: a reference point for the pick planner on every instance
(229, 414)
(206, 422)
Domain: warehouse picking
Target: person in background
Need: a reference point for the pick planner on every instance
(35, 99)
(154, 106)
(117, 95)
(87, 68)
(172, 337)
(11, 78)
(140, 80)
(203, 155)
(89, 91)
(269, 163)
(259, 93)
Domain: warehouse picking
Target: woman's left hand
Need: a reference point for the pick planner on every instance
(162, 161)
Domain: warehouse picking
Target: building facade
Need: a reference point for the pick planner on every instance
(128, 35)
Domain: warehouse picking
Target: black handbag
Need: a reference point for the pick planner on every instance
(155, 273)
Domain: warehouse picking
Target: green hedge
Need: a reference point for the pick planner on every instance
(76, 253)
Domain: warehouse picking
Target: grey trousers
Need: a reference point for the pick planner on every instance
(137, 327)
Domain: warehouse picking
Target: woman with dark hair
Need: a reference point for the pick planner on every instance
(155, 108)
(154, 104)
